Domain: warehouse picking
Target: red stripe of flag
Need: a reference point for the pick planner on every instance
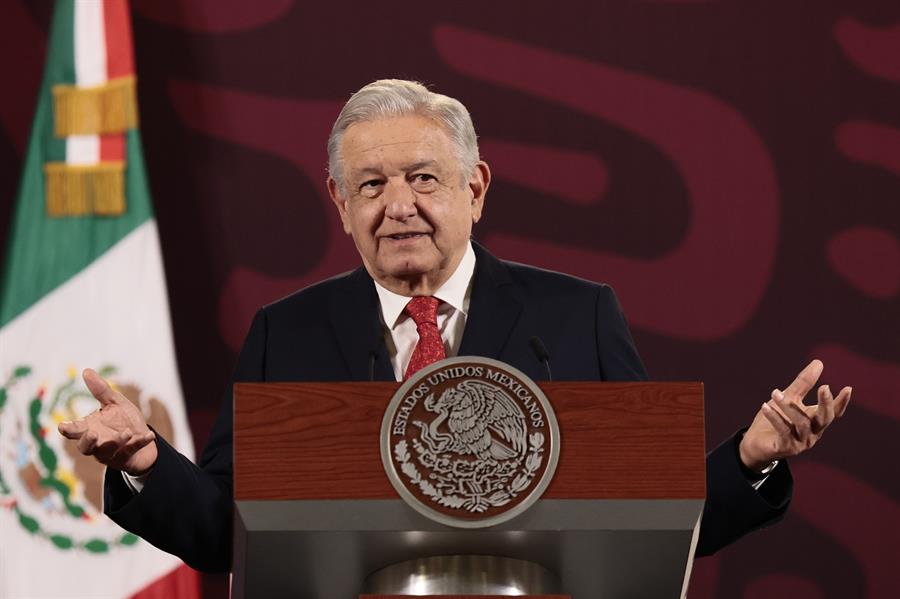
(180, 583)
(112, 147)
(119, 62)
(119, 50)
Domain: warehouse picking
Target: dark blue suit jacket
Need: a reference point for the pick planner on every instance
(328, 332)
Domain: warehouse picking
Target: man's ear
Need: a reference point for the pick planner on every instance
(340, 202)
(479, 182)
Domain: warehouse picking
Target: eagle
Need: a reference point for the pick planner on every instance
(482, 419)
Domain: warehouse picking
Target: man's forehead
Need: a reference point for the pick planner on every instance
(401, 143)
(396, 135)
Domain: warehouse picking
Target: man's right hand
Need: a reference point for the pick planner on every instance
(117, 434)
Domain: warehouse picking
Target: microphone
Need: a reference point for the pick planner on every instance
(374, 350)
(541, 353)
(373, 355)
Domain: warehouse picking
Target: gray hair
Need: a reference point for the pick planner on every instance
(387, 98)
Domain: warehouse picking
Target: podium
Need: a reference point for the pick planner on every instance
(317, 518)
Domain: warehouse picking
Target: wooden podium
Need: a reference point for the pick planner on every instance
(316, 514)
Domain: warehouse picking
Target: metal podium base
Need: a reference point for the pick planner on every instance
(463, 575)
(598, 548)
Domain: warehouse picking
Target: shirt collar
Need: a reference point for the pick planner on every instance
(454, 292)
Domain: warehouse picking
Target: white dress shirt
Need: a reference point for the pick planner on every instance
(400, 334)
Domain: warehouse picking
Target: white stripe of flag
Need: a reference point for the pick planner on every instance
(90, 70)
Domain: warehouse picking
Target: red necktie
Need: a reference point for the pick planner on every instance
(430, 348)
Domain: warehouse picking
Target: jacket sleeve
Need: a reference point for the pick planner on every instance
(184, 508)
(733, 507)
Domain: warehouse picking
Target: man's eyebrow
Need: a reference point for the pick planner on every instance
(374, 170)
(368, 170)
(422, 164)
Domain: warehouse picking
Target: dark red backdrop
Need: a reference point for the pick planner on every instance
(731, 168)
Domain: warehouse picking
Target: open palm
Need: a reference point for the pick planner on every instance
(785, 426)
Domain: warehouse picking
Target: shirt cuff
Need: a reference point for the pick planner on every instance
(756, 479)
(135, 483)
(765, 474)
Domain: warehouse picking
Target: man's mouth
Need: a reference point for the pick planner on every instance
(400, 236)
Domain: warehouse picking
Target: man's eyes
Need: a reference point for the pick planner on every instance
(418, 181)
(423, 182)
(370, 188)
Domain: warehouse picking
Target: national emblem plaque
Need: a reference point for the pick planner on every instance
(470, 442)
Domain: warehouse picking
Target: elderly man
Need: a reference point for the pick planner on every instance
(406, 178)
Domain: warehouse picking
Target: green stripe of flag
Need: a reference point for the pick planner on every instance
(45, 252)
(59, 70)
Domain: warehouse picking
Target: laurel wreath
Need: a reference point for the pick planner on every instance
(478, 504)
(50, 462)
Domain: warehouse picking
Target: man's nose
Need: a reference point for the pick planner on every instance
(399, 200)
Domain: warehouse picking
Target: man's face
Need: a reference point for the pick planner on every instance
(405, 202)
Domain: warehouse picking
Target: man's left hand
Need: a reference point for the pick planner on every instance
(785, 427)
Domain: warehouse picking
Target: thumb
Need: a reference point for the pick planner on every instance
(73, 429)
(98, 387)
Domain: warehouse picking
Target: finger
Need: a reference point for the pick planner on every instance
(88, 442)
(135, 443)
(776, 393)
(72, 429)
(99, 388)
(106, 451)
(805, 381)
(121, 459)
(798, 418)
(824, 410)
(795, 413)
(140, 440)
(841, 401)
(778, 422)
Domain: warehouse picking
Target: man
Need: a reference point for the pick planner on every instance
(406, 178)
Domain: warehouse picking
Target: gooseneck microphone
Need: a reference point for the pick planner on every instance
(541, 353)
(373, 356)
(374, 350)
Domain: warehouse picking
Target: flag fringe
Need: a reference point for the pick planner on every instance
(79, 190)
(107, 108)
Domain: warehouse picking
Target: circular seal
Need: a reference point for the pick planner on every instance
(469, 442)
(53, 491)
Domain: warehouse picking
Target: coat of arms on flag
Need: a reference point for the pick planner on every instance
(82, 286)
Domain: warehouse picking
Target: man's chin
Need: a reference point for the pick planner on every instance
(409, 272)
(409, 265)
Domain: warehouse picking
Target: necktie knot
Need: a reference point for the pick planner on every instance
(423, 310)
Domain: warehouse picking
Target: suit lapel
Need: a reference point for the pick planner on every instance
(357, 324)
(494, 309)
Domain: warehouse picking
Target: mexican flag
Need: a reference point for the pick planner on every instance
(82, 286)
